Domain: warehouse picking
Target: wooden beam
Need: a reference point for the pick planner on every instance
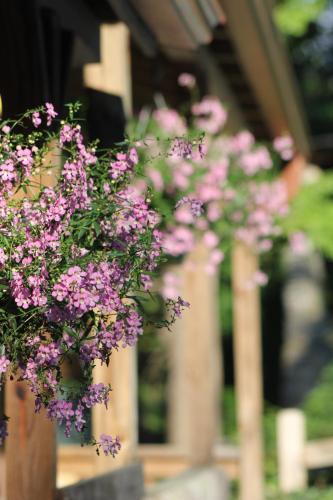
(142, 35)
(113, 74)
(160, 461)
(248, 371)
(167, 24)
(267, 68)
(195, 376)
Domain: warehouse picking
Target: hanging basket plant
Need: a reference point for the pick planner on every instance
(75, 262)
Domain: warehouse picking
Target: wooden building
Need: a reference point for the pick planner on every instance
(115, 55)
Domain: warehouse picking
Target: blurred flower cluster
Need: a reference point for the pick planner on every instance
(75, 259)
(227, 190)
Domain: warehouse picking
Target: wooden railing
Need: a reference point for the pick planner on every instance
(297, 455)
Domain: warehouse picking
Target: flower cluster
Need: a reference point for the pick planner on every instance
(225, 190)
(75, 258)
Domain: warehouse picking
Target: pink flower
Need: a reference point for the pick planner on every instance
(170, 121)
(299, 243)
(210, 239)
(124, 163)
(284, 145)
(194, 204)
(36, 119)
(183, 215)
(253, 161)
(156, 178)
(215, 258)
(4, 363)
(211, 114)
(179, 240)
(242, 142)
(214, 212)
(3, 257)
(186, 80)
(50, 113)
(260, 278)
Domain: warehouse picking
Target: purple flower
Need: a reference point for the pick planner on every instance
(50, 113)
(70, 255)
(95, 394)
(196, 206)
(110, 446)
(178, 306)
(182, 148)
(63, 412)
(124, 163)
(4, 363)
(3, 257)
(36, 119)
(47, 354)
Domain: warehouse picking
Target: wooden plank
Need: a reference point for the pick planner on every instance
(166, 461)
(160, 461)
(30, 447)
(290, 450)
(319, 453)
(196, 363)
(248, 371)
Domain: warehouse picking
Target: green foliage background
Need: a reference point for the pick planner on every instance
(312, 212)
(294, 16)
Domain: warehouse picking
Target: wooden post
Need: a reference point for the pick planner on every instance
(30, 447)
(113, 75)
(248, 371)
(291, 450)
(196, 363)
(293, 175)
(121, 418)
